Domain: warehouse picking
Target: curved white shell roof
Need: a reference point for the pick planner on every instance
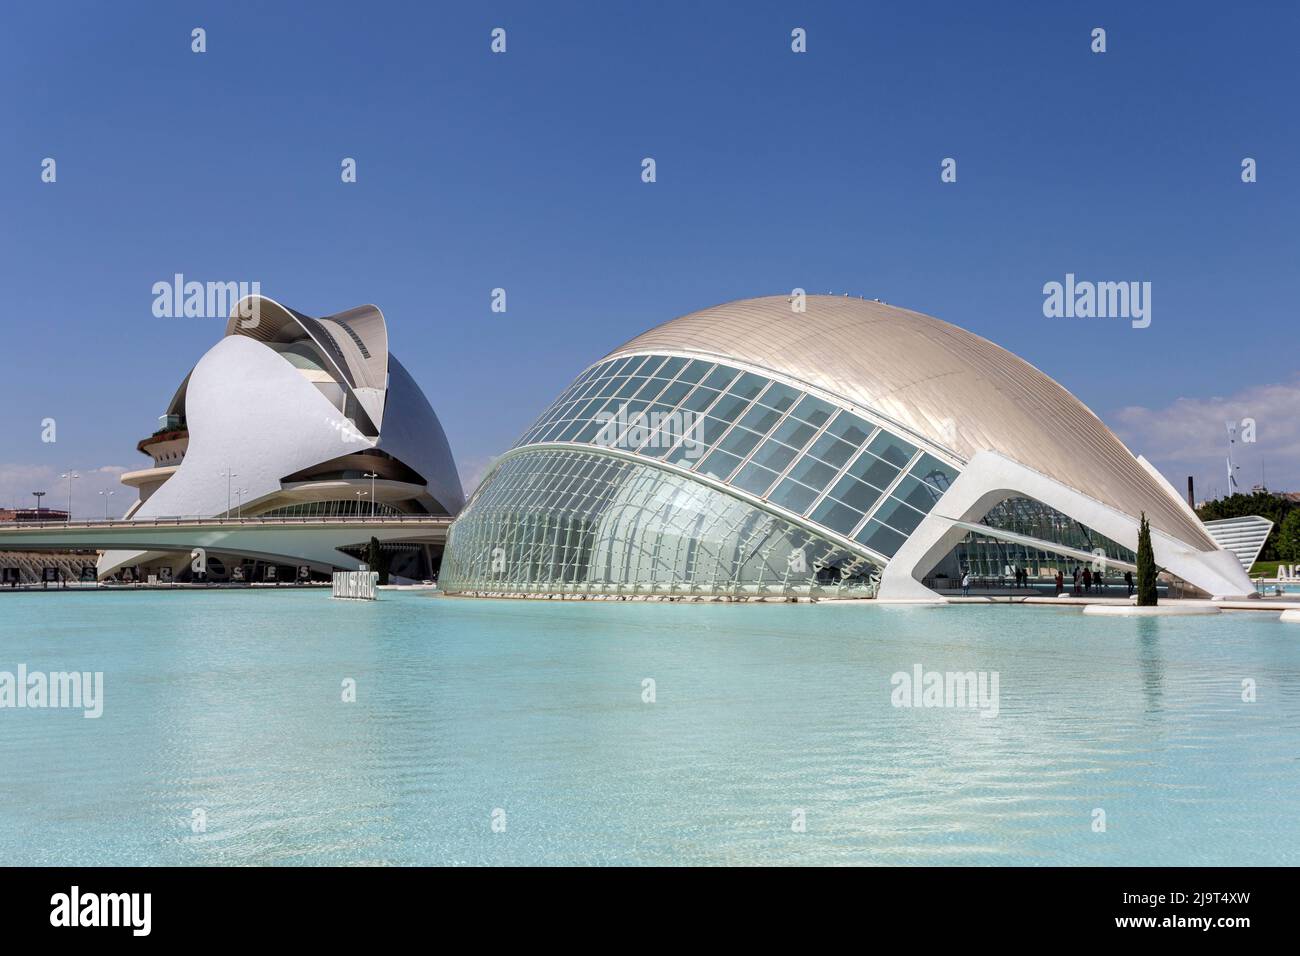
(948, 386)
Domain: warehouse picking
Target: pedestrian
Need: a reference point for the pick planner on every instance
(1087, 580)
(965, 584)
(1128, 580)
(1060, 583)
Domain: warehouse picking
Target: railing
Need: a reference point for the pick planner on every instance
(180, 521)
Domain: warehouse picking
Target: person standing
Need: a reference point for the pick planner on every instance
(1060, 583)
(1087, 581)
(965, 584)
(1128, 580)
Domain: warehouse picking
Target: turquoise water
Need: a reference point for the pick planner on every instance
(231, 702)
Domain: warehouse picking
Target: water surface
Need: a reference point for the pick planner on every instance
(230, 701)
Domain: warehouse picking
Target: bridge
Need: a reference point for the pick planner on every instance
(289, 540)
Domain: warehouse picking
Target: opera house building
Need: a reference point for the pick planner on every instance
(781, 447)
(296, 417)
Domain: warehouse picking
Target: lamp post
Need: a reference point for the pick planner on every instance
(228, 474)
(360, 495)
(38, 495)
(106, 495)
(239, 502)
(70, 475)
(372, 476)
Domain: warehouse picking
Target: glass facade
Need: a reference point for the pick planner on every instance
(985, 556)
(568, 521)
(350, 508)
(790, 448)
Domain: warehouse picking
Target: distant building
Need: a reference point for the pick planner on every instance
(290, 416)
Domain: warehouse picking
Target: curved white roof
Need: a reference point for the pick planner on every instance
(948, 386)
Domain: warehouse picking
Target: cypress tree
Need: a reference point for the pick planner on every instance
(1146, 562)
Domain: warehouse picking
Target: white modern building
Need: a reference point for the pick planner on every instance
(849, 447)
(298, 417)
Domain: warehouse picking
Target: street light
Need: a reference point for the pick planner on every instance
(106, 495)
(70, 475)
(360, 495)
(372, 476)
(39, 495)
(228, 474)
(239, 502)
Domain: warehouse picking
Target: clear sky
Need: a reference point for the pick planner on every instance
(522, 170)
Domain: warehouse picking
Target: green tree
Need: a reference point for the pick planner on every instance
(1263, 503)
(1288, 537)
(1146, 562)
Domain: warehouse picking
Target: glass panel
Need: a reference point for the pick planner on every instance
(794, 433)
(719, 464)
(774, 455)
(831, 450)
(760, 418)
(812, 472)
(740, 441)
(898, 516)
(728, 407)
(859, 495)
(839, 517)
(813, 410)
(872, 469)
(700, 399)
(748, 385)
(779, 396)
(719, 378)
(934, 472)
(852, 429)
(893, 450)
(671, 367)
(917, 494)
(754, 479)
(695, 371)
(711, 430)
(651, 366)
(794, 496)
(675, 392)
(879, 538)
(629, 387)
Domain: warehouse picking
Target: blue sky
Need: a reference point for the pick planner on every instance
(522, 171)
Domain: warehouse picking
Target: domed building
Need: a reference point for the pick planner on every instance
(297, 417)
(829, 446)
